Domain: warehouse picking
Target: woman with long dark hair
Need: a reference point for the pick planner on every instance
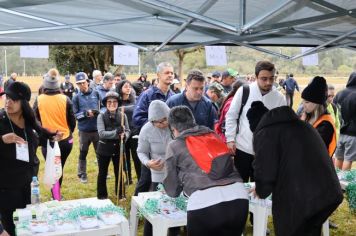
(17, 145)
(220, 125)
(127, 99)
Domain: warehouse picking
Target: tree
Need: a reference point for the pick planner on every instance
(181, 53)
(74, 58)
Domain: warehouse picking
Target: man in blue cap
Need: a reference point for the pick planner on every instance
(86, 106)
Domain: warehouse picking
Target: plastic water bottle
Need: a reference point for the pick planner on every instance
(35, 191)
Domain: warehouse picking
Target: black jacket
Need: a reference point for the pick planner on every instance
(292, 163)
(15, 173)
(346, 102)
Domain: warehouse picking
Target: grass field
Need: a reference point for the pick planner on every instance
(73, 189)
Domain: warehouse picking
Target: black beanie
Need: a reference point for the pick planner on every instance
(18, 91)
(316, 91)
(255, 113)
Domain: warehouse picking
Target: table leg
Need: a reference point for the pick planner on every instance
(159, 230)
(326, 228)
(260, 217)
(133, 219)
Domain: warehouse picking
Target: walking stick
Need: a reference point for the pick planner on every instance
(121, 181)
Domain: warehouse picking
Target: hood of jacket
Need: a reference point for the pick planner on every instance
(158, 110)
(352, 80)
(283, 114)
(195, 131)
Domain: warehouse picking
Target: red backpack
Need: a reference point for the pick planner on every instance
(211, 154)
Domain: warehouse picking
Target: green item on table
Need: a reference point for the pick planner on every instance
(351, 196)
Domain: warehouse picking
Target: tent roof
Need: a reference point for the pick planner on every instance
(322, 24)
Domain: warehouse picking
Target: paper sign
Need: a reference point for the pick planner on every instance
(34, 51)
(310, 60)
(215, 56)
(125, 55)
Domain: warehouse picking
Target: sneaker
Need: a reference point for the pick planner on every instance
(83, 179)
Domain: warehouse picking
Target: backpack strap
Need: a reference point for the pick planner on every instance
(334, 108)
(245, 94)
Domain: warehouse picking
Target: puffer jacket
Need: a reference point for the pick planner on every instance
(183, 172)
(292, 163)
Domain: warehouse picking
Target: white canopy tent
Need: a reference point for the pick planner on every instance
(171, 24)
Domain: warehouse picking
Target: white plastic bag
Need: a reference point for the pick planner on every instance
(53, 167)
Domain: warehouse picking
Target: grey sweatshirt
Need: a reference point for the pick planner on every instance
(153, 141)
(152, 144)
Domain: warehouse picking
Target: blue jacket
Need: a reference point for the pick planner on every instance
(140, 114)
(82, 102)
(290, 85)
(204, 112)
(102, 93)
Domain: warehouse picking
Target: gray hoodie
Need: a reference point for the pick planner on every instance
(152, 141)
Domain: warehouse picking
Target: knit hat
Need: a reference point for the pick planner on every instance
(110, 94)
(18, 91)
(50, 82)
(157, 110)
(81, 77)
(316, 91)
(255, 114)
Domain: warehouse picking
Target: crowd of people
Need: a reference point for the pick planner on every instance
(203, 140)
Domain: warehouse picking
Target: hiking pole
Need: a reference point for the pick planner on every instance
(121, 164)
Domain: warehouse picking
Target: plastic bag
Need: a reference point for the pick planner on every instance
(53, 167)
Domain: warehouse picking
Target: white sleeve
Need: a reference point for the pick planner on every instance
(232, 115)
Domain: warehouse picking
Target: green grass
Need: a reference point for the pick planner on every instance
(73, 189)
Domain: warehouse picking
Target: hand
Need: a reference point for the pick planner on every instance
(253, 192)
(90, 113)
(232, 147)
(4, 233)
(120, 130)
(12, 138)
(58, 136)
(155, 164)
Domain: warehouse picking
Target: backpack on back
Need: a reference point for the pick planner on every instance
(211, 154)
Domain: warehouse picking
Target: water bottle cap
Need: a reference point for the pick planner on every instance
(34, 178)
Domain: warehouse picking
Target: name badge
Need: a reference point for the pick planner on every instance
(22, 152)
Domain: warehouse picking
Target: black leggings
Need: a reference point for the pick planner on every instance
(223, 219)
(243, 163)
(65, 146)
(130, 151)
(104, 162)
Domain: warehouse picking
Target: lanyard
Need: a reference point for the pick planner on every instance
(12, 127)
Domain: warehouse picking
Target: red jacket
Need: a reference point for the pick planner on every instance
(220, 125)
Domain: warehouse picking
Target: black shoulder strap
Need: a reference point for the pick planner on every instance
(334, 108)
(245, 94)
